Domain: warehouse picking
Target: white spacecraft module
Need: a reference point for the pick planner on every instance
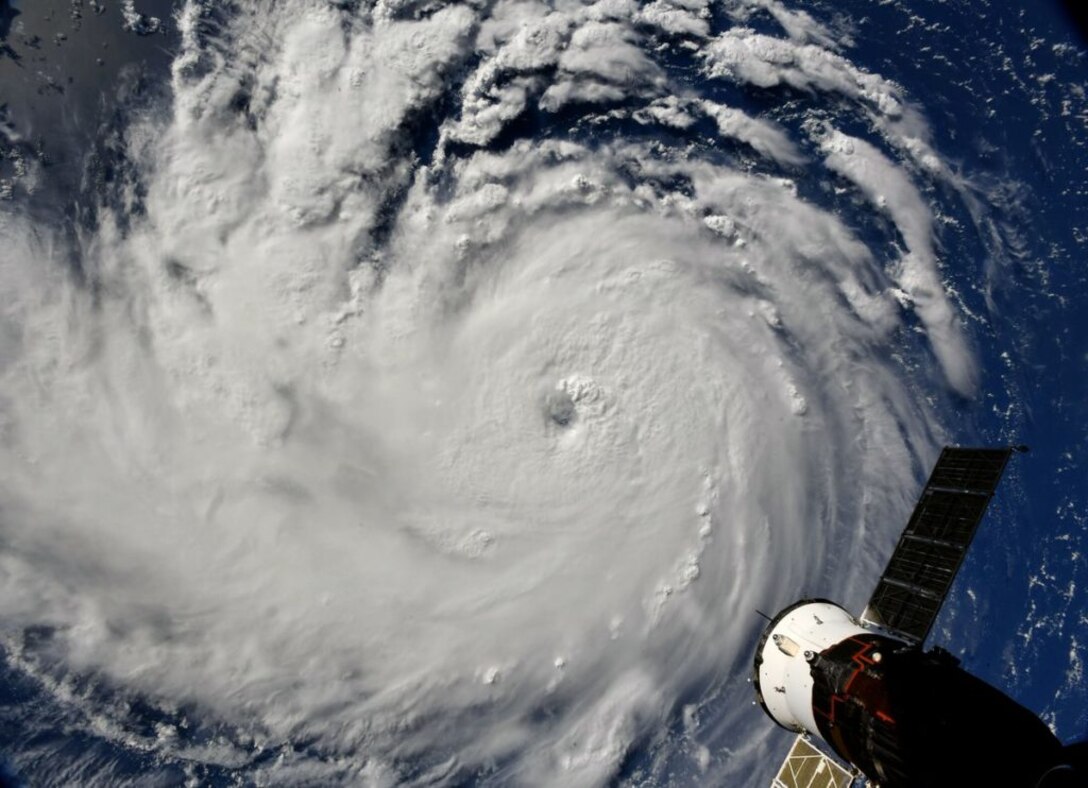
(901, 716)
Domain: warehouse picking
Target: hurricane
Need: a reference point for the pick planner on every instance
(436, 391)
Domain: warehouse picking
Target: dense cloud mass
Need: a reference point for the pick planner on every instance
(448, 384)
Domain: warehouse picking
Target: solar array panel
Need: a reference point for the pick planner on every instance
(921, 570)
(807, 767)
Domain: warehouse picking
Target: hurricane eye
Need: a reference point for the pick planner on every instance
(559, 408)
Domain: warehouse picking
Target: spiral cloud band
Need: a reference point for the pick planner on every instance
(446, 386)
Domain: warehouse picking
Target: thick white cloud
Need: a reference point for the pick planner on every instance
(678, 17)
(799, 25)
(468, 464)
(759, 59)
(917, 273)
(764, 136)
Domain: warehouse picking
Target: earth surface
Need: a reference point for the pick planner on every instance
(419, 393)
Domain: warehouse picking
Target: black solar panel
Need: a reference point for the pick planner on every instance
(921, 570)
